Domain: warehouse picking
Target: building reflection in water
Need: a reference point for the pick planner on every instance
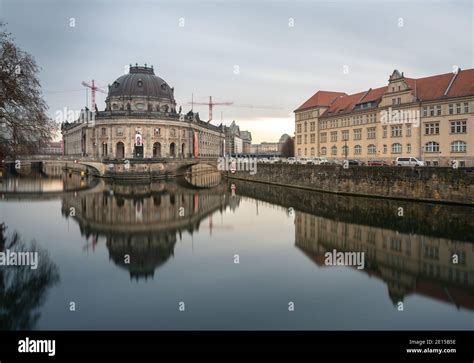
(143, 221)
(407, 263)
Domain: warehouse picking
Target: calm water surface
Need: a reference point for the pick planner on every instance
(183, 242)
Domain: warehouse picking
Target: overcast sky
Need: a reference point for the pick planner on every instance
(279, 66)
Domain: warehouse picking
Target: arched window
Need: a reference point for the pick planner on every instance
(172, 149)
(396, 148)
(371, 149)
(357, 150)
(312, 151)
(156, 150)
(323, 150)
(334, 150)
(458, 146)
(431, 147)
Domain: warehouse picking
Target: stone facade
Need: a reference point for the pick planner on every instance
(430, 184)
(430, 118)
(141, 106)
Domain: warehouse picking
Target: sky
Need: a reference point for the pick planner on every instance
(267, 57)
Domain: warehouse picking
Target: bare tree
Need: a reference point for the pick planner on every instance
(23, 120)
(288, 148)
(22, 289)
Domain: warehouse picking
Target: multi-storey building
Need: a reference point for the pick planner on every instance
(236, 141)
(431, 118)
(141, 121)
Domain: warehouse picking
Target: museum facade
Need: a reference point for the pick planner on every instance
(141, 121)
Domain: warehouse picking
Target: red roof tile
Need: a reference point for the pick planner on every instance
(463, 84)
(321, 98)
(425, 89)
(344, 104)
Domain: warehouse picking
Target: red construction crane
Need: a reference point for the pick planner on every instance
(211, 105)
(93, 88)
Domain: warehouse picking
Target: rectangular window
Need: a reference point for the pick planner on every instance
(305, 139)
(438, 110)
(298, 128)
(323, 137)
(396, 131)
(408, 148)
(458, 108)
(425, 111)
(458, 127)
(333, 136)
(394, 101)
(312, 138)
(432, 128)
(408, 129)
(119, 131)
(385, 149)
(451, 109)
(399, 100)
(466, 107)
(345, 135)
(312, 126)
(298, 139)
(371, 132)
(385, 131)
(432, 111)
(157, 131)
(357, 134)
(104, 131)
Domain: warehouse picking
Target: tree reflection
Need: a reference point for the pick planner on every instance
(22, 289)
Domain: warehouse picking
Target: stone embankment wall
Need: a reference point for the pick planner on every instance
(433, 184)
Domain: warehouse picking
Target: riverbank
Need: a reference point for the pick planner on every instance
(435, 185)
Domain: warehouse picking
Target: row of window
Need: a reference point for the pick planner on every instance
(312, 126)
(453, 109)
(119, 131)
(456, 127)
(457, 146)
(435, 110)
(396, 131)
(432, 128)
(348, 121)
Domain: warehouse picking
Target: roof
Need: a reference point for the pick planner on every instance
(437, 87)
(141, 82)
(321, 98)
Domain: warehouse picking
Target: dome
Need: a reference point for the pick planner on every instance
(283, 138)
(141, 82)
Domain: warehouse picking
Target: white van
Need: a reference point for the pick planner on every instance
(408, 161)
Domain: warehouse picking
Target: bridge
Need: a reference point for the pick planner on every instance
(115, 169)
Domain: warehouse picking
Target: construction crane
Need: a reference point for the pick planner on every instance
(93, 88)
(211, 105)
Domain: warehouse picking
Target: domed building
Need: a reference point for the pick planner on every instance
(141, 120)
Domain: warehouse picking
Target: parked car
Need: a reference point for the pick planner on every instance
(263, 160)
(408, 161)
(377, 163)
(324, 161)
(302, 160)
(274, 160)
(356, 162)
(291, 160)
